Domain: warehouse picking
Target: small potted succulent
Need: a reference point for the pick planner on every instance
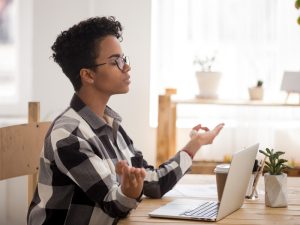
(275, 179)
(256, 92)
(208, 80)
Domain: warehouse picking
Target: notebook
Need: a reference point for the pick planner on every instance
(232, 199)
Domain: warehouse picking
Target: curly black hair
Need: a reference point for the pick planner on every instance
(75, 48)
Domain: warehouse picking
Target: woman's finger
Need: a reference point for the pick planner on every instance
(126, 176)
(119, 166)
(196, 128)
(204, 128)
(218, 128)
(133, 177)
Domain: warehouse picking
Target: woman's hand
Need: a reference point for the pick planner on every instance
(132, 179)
(199, 138)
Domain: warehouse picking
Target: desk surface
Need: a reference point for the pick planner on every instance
(252, 212)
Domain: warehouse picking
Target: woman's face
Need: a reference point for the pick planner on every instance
(111, 77)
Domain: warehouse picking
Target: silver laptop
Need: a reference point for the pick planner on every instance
(232, 199)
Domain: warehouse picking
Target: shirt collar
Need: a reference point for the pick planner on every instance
(89, 116)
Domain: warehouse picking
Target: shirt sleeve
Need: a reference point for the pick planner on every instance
(161, 180)
(75, 158)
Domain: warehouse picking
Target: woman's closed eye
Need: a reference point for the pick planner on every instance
(114, 62)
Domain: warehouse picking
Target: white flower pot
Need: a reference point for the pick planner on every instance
(276, 190)
(256, 93)
(208, 83)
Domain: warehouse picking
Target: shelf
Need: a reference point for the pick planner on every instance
(177, 100)
(167, 117)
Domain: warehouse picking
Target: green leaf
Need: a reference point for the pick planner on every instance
(278, 154)
(268, 166)
(272, 160)
(297, 4)
(278, 169)
(272, 170)
(281, 161)
(261, 151)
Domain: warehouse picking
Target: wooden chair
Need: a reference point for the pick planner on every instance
(20, 148)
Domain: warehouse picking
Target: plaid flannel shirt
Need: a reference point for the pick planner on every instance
(77, 179)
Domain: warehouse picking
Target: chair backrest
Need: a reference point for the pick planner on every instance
(20, 148)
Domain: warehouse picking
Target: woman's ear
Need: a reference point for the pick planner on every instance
(87, 76)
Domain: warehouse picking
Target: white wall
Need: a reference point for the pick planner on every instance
(53, 89)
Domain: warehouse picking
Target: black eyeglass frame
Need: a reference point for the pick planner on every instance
(124, 60)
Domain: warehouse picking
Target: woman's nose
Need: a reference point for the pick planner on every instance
(126, 68)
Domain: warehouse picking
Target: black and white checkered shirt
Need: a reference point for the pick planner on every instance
(78, 184)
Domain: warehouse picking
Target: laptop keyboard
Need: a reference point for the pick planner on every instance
(205, 210)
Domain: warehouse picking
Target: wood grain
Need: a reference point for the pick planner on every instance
(252, 211)
(20, 148)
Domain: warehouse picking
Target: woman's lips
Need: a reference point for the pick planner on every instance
(127, 80)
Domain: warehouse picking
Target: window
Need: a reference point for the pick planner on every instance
(257, 39)
(15, 56)
(252, 40)
(8, 59)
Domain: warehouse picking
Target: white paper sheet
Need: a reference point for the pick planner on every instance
(194, 190)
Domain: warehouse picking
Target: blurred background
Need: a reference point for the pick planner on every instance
(248, 41)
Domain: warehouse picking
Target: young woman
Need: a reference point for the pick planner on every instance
(90, 172)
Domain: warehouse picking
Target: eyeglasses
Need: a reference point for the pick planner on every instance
(120, 62)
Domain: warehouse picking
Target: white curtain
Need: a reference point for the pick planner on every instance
(252, 40)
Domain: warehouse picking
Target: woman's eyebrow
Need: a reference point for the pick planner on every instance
(115, 56)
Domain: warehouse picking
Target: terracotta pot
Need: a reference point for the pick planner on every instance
(208, 83)
(276, 190)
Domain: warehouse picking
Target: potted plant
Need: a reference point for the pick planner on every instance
(297, 5)
(208, 80)
(275, 179)
(256, 92)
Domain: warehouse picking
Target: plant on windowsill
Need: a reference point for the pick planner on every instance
(275, 178)
(297, 5)
(208, 80)
(256, 92)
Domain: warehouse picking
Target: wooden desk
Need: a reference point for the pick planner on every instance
(166, 129)
(252, 212)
